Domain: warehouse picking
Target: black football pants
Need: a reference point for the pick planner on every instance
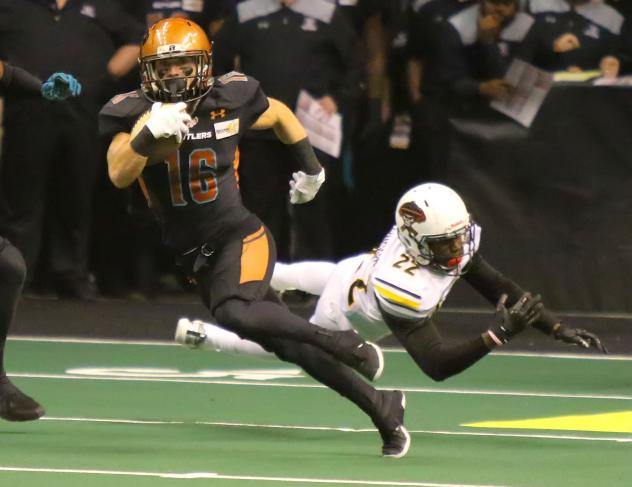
(12, 275)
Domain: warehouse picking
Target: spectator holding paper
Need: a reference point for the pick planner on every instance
(293, 46)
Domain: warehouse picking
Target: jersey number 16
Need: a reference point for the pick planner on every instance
(202, 181)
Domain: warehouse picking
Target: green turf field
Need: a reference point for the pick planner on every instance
(153, 415)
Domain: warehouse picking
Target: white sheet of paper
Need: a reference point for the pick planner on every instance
(531, 87)
(323, 130)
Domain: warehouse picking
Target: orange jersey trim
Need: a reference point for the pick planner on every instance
(236, 161)
(143, 188)
(255, 256)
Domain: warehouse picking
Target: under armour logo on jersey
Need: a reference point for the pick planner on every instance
(218, 114)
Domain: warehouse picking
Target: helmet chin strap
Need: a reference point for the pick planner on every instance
(176, 88)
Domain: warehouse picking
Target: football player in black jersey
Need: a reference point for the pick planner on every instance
(14, 404)
(193, 188)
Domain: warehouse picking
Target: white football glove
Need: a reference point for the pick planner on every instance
(303, 187)
(167, 120)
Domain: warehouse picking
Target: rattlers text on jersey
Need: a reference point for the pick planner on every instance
(390, 277)
(195, 191)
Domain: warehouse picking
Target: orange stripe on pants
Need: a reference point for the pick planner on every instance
(143, 187)
(254, 257)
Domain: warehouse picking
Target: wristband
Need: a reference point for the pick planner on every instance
(494, 338)
(143, 142)
(304, 155)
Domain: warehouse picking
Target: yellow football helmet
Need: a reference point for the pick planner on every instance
(176, 38)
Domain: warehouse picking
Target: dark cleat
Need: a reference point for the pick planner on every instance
(390, 424)
(17, 406)
(365, 358)
(397, 443)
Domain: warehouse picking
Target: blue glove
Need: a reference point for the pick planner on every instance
(60, 86)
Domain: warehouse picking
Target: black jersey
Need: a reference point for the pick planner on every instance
(195, 192)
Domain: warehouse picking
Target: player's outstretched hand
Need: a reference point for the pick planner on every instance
(581, 338)
(512, 321)
(303, 187)
(60, 86)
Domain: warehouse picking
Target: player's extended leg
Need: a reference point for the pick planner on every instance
(14, 404)
(234, 284)
(202, 335)
(319, 277)
(385, 408)
(329, 281)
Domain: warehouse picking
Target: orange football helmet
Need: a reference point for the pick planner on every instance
(176, 38)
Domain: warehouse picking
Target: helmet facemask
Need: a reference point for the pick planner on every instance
(446, 252)
(443, 253)
(188, 87)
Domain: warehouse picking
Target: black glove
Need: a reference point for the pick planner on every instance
(576, 336)
(512, 321)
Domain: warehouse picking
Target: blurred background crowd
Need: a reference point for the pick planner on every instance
(398, 71)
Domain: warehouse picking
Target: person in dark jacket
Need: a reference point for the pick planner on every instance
(14, 404)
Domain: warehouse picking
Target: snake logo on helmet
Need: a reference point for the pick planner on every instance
(176, 38)
(427, 216)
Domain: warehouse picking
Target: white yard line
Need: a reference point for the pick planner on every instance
(423, 390)
(215, 475)
(614, 439)
(97, 341)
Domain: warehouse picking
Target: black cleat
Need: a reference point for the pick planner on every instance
(395, 437)
(365, 358)
(17, 406)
